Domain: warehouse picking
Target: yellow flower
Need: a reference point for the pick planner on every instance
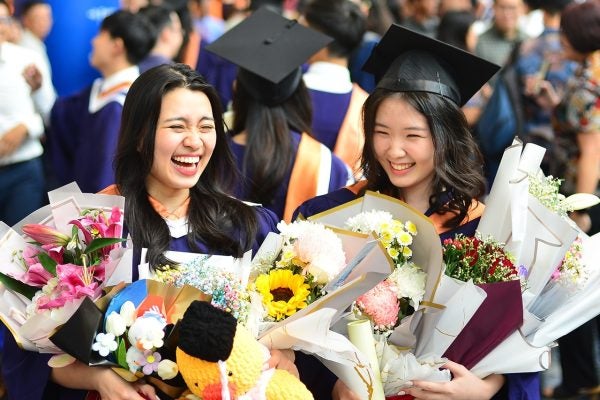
(386, 236)
(411, 228)
(406, 252)
(283, 292)
(393, 252)
(404, 238)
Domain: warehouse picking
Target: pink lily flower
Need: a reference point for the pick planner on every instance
(55, 252)
(30, 255)
(36, 275)
(45, 235)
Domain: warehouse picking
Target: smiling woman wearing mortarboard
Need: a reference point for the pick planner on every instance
(283, 165)
(418, 148)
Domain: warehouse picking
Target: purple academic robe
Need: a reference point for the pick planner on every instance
(27, 374)
(523, 386)
(338, 177)
(218, 72)
(329, 111)
(81, 145)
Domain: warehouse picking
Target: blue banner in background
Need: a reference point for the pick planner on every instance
(76, 22)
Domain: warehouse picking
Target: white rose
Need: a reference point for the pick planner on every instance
(167, 369)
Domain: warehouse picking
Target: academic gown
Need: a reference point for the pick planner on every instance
(339, 176)
(218, 72)
(81, 145)
(27, 374)
(522, 386)
(329, 111)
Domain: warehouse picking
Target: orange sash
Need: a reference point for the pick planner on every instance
(438, 220)
(350, 140)
(304, 177)
(112, 189)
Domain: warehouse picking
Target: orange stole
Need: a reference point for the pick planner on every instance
(438, 220)
(350, 140)
(304, 177)
(112, 189)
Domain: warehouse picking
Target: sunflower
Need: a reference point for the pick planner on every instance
(283, 292)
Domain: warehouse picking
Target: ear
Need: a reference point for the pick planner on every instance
(119, 47)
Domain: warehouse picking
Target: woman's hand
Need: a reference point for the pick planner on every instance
(111, 386)
(105, 381)
(284, 359)
(464, 386)
(342, 392)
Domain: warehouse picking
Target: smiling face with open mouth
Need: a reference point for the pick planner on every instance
(185, 140)
(404, 147)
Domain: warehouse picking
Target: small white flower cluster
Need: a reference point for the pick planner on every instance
(369, 221)
(145, 335)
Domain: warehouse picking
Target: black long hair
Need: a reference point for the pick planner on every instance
(269, 150)
(213, 216)
(457, 159)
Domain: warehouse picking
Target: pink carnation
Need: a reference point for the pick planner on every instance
(381, 305)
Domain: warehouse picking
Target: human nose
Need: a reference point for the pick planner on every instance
(397, 147)
(193, 139)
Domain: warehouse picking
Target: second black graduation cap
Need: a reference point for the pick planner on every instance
(269, 49)
(406, 61)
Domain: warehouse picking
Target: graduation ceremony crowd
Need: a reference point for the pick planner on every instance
(216, 119)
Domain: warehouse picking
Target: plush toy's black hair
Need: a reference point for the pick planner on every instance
(207, 332)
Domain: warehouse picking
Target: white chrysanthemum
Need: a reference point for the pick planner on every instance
(319, 249)
(369, 221)
(409, 281)
(115, 324)
(146, 333)
(104, 344)
(167, 369)
(128, 313)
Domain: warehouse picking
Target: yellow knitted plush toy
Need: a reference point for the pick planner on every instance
(220, 360)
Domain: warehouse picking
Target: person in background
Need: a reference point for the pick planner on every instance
(541, 59)
(419, 149)
(84, 127)
(336, 101)
(423, 17)
(575, 158)
(26, 98)
(208, 26)
(496, 43)
(456, 28)
(282, 164)
(36, 20)
(169, 36)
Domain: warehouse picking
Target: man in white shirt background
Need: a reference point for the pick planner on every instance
(26, 98)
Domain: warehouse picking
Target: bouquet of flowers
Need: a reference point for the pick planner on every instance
(526, 209)
(211, 275)
(48, 273)
(399, 294)
(311, 256)
(479, 260)
(134, 331)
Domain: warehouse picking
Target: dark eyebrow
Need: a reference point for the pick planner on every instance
(183, 119)
(409, 128)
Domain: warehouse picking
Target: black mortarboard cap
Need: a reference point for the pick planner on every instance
(406, 61)
(269, 49)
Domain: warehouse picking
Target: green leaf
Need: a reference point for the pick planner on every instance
(122, 354)
(100, 243)
(18, 286)
(48, 263)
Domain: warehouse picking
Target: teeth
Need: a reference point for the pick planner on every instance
(187, 160)
(401, 167)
